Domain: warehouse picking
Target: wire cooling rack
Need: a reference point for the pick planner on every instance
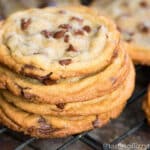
(85, 137)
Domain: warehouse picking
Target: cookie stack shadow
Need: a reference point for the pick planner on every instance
(53, 106)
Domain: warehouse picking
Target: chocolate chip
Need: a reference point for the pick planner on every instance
(118, 28)
(87, 28)
(60, 105)
(65, 62)
(128, 40)
(46, 33)
(59, 34)
(25, 23)
(77, 19)
(44, 127)
(143, 28)
(65, 26)
(113, 80)
(78, 32)
(61, 11)
(86, 2)
(71, 48)
(115, 54)
(44, 131)
(24, 93)
(43, 4)
(27, 95)
(48, 82)
(43, 123)
(97, 29)
(30, 129)
(66, 38)
(96, 123)
(41, 120)
(143, 4)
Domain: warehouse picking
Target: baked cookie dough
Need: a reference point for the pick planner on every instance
(93, 106)
(38, 44)
(64, 91)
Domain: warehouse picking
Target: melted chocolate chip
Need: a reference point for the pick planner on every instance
(24, 93)
(25, 23)
(48, 82)
(44, 127)
(43, 123)
(143, 4)
(46, 33)
(87, 28)
(96, 123)
(119, 29)
(76, 19)
(65, 62)
(30, 129)
(143, 28)
(65, 26)
(66, 38)
(27, 95)
(59, 34)
(71, 48)
(113, 80)
(44, 131)
(78, 32)
(86, 2)
(60, 105)
(128, 40)
(61, 11)
(115, 54)
(41, 120)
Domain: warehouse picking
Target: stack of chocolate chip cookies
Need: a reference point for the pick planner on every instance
(62, 71)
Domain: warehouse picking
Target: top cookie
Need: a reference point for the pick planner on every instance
(133, 20)
(57, 42)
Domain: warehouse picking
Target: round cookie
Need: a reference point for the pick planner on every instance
(39, 45)
(133, 21)
(64, 92)
(94, 106)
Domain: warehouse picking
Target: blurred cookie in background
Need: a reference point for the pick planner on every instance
(133, 21)
(7, 7)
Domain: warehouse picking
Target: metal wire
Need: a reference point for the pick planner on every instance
(129, 132)
(70, 141)
(87, 139)
(136, 96)
(24, 144)
(3, 130)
